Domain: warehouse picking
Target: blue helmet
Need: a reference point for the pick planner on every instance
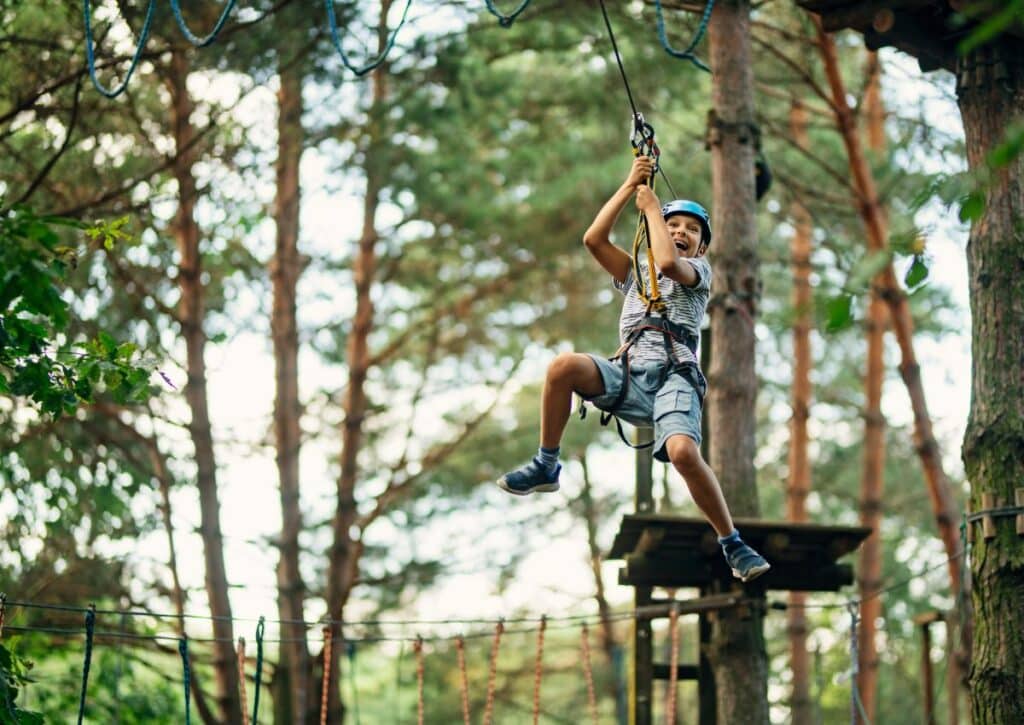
(690, 208)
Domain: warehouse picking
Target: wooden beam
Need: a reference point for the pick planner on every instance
(661, 608)
(683, 672)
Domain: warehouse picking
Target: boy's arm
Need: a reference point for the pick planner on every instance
(598, 237)
(666, 257)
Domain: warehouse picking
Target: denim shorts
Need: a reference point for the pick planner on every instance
(670, 404)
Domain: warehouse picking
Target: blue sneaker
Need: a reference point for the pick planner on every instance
(529, 478)
(746, 563)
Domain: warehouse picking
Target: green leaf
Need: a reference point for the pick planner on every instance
(917, 273)
(840, 313)
(973, 207)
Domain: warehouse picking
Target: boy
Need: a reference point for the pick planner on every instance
(659, 368)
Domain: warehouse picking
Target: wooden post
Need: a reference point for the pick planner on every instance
(988, 523)
(643, 647)
(953, 683)
(707, 702)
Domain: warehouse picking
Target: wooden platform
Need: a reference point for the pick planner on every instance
(925, 29)
(677, 551)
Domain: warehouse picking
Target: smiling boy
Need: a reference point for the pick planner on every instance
(655, 378)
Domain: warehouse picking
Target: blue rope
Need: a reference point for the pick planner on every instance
(701, 29)
(206, 40)
(506, 21)
(90, 51)
(187, 677)
(259, 667)
(333, 22)
(90, 626)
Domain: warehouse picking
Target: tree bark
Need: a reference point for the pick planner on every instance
(990, 87)
(293, 674)
(737, 650)
(346, 547)
(939, 489)
(798, 485)
(873, 466)
(191, 314)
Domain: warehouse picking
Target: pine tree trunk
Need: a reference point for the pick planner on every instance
(737, 650)
(798, 485)
(346, 549)
(190, 315)
(990, 86)
(873, 470)
(939, 489)
(293, 674)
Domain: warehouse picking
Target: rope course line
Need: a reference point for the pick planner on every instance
(855, 703)
(492, 673)
(90, 624)
(332, 22)
(588, 673)
(460, 650)
(259, 671)
(328, 635)
(420, 705)
(686, 54)
(186, 677)
(538, 670)
(90, 50)
(212, 35)
(673, 667)
(241, 681)
(506, 21)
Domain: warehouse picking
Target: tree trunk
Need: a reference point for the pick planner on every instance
(346, 548)
(737, 650)
(990, 86)
(939, 489)
(873, 470)
(190, 314)
(798, 485)
(293, 674)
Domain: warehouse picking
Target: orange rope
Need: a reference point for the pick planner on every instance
(670, 708)
(241, 681)
(588, 674)
(418, 649)
(492, 676)
(537, 669)
(328, 638)
(460, 647)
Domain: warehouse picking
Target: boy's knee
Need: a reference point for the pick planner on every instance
(684, 453)
(564, 367)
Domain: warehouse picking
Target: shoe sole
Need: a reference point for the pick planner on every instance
(753, 574)
(539, 488)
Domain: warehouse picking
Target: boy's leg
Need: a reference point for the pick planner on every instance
(568, 373)
(706, 491)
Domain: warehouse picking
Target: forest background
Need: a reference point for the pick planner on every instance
(341, 292)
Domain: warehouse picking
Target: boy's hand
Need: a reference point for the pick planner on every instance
(640, 172)
(647, 200)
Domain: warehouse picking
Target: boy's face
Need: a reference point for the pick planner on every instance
(685, 232)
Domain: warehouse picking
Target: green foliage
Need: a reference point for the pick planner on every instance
(995, 21)
(14, 675)
(37, 360)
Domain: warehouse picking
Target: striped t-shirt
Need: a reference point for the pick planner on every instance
(683, 305)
